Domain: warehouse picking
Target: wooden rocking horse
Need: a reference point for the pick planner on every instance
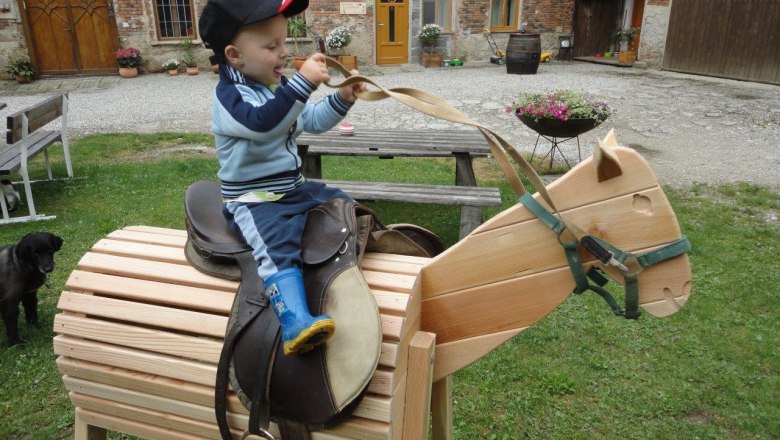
(140, 330)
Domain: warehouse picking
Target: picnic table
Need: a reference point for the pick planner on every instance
(462, 145)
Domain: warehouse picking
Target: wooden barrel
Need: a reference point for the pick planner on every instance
(522, 53)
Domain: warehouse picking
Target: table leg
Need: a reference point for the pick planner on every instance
(470, 216)
(311, 165)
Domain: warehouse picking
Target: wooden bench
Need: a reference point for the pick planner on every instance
(471, 198)
(140, 332)
(25, 139)
(462, 145)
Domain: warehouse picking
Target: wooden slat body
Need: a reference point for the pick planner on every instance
(140, 329)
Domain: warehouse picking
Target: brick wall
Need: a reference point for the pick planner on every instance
(324, 16)
(543, 16)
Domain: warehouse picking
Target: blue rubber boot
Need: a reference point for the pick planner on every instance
(301, 332)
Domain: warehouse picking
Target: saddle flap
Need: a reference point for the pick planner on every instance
(327, 229)
(206, 224)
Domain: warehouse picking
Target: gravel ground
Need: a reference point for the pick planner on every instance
(691, 128)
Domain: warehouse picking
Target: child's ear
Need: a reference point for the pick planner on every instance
(233, 56)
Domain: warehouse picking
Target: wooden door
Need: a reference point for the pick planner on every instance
(72, 36)
(637, 15)
(736, 39)
(594, 23)
(392, 32)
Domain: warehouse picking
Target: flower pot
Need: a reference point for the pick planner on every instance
(349, 61)
(627, 57)
(192, 70)
(558, 128)
(173, 72)
(298, 62)
(431, 59)
(128, 72)
(22, 79)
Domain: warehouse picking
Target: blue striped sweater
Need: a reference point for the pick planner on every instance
(255, 129)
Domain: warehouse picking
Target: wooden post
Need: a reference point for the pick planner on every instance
(441, 409)
(84, 431)
(419, 375)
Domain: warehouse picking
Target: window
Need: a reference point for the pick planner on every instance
(290, 32)
(437, 12)
(174, 19)
(503, 15)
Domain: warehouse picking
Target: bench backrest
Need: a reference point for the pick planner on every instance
(38, 115)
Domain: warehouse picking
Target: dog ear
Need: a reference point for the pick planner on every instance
(24, 246)
(56, 242)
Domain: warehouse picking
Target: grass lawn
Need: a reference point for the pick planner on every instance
(710, 371)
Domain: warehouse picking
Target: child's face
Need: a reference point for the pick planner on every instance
(260, 52)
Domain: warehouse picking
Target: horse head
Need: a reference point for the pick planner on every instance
(512, 271)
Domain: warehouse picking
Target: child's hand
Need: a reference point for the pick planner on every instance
(315, 69)
(349, 93)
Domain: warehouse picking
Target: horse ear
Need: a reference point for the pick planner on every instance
(607, 163)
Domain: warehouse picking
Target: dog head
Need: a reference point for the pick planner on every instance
(37, 250)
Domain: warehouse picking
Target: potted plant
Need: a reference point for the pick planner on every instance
(20, 69)
(172, 66)
(429, 34)
(338, 39)
(129, 59)
(625, 36)
(563, 113)
(188, 58)
(297, 29)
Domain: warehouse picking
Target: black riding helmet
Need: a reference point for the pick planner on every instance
(221, 19)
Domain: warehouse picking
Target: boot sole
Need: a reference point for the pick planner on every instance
(308, 339)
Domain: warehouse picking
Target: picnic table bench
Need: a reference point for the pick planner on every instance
(462, 145)
(25, 139)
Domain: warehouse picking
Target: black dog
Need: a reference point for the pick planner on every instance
(23, 269)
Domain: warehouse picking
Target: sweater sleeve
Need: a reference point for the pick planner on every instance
(239, 113)
(324, 115)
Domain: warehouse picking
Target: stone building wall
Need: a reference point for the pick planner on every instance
(655, 25)
(12, 42)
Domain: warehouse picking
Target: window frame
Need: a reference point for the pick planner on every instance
(437, 14)
(504, 7)
(158, 27)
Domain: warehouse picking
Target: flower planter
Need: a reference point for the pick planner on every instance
(192, 71)
(22, 79)
(627, 57)
(560, 129)
(349, 61)
(173, 72)
(431, 59)
(128, 72)
(298, 62)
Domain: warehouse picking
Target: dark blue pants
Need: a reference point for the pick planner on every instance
(274, 229)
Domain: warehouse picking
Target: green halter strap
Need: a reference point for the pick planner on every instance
(608, 254)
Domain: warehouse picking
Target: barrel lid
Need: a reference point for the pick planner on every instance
(524, 34)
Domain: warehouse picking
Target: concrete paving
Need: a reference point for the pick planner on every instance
(691, 128)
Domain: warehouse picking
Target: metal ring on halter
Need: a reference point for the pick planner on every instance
(263, 435)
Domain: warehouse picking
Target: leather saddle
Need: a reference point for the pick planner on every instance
(323, 387)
